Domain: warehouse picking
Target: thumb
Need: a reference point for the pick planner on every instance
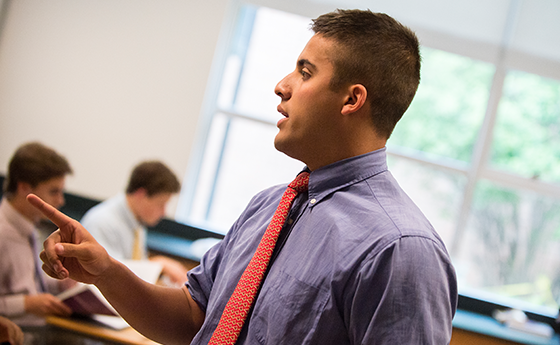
(69, 250)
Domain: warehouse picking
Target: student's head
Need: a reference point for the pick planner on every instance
(150, 187)
(376, 51)
(35, 168)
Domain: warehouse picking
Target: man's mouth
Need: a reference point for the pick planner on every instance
(281, 111)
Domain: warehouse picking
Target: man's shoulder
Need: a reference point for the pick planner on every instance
(108, 205)
(7, 230)
(376, 212)
(104, 213)
(10, 239)
(397, 205)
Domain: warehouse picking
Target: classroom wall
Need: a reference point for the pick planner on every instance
(110, 83)
(107, 83)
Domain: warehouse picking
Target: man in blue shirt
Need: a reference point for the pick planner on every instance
(356, 261)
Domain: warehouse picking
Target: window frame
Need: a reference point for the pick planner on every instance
(477, 169)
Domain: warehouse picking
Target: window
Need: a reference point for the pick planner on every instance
(446, 114)
(241, 135)
(527, 135)
(512, 239)
(435, 138)
(478, 151)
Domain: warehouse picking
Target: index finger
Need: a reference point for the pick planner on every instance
(57, 217)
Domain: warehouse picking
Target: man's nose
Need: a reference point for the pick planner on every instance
(282, 89)
(60, 201)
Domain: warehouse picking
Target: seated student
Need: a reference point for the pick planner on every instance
(119, 223)
(10, 333)
(26, 293)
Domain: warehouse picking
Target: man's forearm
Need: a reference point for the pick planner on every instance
(163, 314)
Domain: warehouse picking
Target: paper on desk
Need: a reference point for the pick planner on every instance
(146, 270)
(114, 322)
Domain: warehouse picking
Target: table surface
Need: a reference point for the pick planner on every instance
(75, 331)
(83, 326)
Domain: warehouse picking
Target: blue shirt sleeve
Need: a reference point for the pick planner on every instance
(406, 294)
(201, 278)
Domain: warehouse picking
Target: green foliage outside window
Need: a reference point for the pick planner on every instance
(527, 135)
(517, 238)
(445, 116)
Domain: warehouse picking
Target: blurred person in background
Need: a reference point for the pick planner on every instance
(119, 223)
(26, 292)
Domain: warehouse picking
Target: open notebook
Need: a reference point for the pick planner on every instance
(87, 300)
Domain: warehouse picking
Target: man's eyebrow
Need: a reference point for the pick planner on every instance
(305, 62)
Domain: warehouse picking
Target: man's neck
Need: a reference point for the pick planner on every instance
(131, 202)
(20, 204)
(353, 149)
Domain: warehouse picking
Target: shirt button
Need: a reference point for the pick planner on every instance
(312, 201)
(290, 221)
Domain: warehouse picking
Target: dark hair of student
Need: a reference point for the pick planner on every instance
(34, 163)
(155, 177)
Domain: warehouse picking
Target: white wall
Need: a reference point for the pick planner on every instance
(107, 83)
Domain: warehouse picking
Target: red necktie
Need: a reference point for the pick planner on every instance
(243, 296)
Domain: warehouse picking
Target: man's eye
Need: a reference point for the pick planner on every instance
(304, 74)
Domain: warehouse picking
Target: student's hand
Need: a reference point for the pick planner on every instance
(172, 269)
(70, 251)
(46, 304)
(10, 332)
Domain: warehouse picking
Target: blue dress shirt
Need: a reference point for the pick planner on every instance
(113, 225)
(358, 263)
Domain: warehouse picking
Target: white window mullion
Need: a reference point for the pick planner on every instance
(480, 155)
(483, 144)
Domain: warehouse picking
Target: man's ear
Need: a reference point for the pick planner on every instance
(355, 99)
(140, 192)
(24, 188)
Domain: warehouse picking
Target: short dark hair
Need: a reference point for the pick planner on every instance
(34, 163)
(378, 52)
(155, 177)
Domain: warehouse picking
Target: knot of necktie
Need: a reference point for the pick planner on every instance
(300, 183)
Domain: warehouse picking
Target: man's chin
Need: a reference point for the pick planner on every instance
(285, 149)
(150, 224)
(280, 143)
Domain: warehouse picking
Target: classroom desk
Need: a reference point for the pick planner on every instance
(474, 329)
(124, 336)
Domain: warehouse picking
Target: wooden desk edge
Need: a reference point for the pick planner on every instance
(125, 336)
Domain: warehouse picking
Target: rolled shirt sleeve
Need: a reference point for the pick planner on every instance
(12, 305)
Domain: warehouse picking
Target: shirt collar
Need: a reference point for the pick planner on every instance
(128, 214)
(328, 179)
(23, 225)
